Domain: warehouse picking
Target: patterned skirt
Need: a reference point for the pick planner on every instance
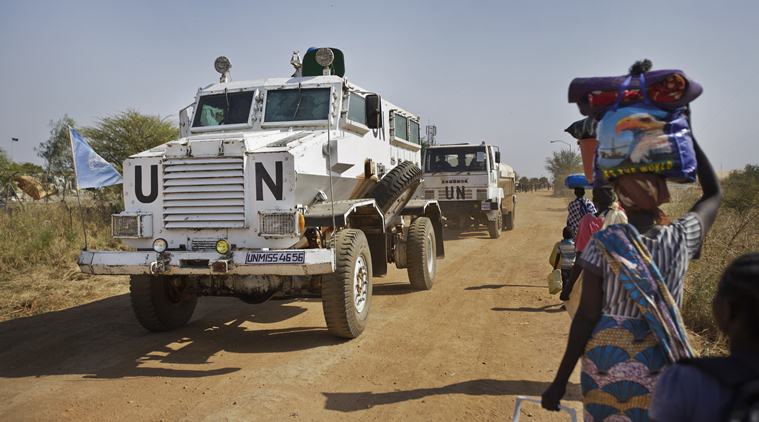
(619, 370)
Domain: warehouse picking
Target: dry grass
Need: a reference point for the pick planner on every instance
(39, 244)
(733, 234)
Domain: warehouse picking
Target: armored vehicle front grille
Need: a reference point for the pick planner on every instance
(203, 193)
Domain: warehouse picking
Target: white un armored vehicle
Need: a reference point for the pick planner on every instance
(472, 185)
(295, 187)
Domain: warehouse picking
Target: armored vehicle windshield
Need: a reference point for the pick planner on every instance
(223, 109)
(456, 159)
(298, 104)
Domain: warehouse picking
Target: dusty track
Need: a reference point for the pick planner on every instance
(486, 332)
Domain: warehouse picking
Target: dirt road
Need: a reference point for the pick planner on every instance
(486, 332)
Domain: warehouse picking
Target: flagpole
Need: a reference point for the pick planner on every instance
(76, 183)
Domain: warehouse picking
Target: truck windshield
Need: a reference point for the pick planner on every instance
(223, 109)
(455, 159)
(289, 105)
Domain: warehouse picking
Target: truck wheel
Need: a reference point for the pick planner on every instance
(397, 187)
(347, 293)
(508, 220)
(421, 254)
(494, 227)
(159, 302)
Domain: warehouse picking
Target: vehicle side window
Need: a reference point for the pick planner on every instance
(357, 108)
(413, 134)
(401, 127)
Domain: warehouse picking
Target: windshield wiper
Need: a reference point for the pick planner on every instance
(226, 110)
(297, 106)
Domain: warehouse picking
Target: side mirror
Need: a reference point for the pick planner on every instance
(184, 121)
(498, 157)
(373, 108)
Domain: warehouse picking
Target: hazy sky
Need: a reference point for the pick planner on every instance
(495, 71)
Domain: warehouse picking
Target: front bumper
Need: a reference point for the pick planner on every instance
(315, 261)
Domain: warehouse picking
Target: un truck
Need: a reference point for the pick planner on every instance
(297, 186)
(472, 185)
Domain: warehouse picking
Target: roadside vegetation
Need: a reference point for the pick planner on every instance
(560, 165)
(734, 233)
(40, 240)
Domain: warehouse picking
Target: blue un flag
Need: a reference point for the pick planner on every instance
(92, 171)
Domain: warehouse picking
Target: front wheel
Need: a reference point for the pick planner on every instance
(347, 293)
(161, 303)
(421, 254)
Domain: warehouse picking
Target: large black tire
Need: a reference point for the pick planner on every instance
(508, 219)
(158, 302)
(494, 227)
(345, 301)
(421, 254)
(397, 187)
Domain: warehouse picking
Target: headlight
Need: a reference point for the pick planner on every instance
(131, 225)
(222, 247)
(278, 224)
(160, 245)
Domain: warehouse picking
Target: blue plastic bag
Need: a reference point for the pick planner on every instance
(643, 138)
(576, 181)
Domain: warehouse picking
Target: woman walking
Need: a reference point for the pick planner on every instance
(628, 327)
(608, 212)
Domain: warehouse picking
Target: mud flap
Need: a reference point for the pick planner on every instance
(378, 246)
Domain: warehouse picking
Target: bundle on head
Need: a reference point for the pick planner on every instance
(640, 66)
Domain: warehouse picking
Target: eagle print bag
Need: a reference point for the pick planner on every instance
(643, 138)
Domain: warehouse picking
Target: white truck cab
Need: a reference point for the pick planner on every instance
(298, 186)
(472, 185)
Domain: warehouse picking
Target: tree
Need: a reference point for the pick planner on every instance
(56, 150)
(741, 189)
(543, 182)
(524, 184)
(5, 162)
(128, 132)
(561, 164)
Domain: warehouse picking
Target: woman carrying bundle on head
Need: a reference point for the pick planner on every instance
(628, 325)
(608, 212)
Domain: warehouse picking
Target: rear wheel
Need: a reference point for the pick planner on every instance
(494, 227)
(421, 254)
(396, 188)
(161, 303)
(347, 293)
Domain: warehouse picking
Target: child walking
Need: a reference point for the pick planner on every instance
(563, 255)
